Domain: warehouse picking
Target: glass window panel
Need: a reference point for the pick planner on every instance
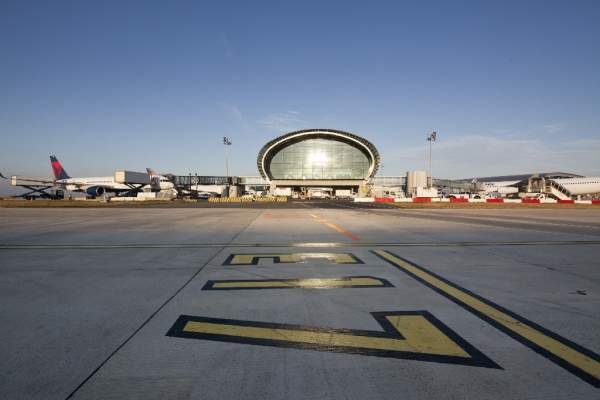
(319, 159)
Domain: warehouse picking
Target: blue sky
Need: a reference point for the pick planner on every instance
(509, 86)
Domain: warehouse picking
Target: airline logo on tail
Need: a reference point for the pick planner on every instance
(57, 168)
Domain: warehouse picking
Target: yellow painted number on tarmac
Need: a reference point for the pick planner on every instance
(574, 358)
(252, 259)
(312, 283)
(414, 335)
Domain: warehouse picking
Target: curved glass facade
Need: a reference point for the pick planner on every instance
(319, 158)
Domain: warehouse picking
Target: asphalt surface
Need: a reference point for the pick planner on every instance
(303, 303)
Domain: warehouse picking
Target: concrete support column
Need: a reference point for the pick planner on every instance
(363, 190)
(233, 191)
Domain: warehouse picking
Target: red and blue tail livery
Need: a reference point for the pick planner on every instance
(57, 168)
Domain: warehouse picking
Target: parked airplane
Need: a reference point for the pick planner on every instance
(92, 186)
(506, 187)
(561, 188)
(579, 186)
(503, 187)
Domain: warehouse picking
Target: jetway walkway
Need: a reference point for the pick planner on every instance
(189, 184)
(132, 179)
(43, 188)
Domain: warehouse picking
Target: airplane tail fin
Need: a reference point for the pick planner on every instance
(57, 168)
(2, 176)
(154, 180)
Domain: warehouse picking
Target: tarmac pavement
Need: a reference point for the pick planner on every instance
(304, 303)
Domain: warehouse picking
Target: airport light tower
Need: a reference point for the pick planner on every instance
(432, 137)
(227, 143)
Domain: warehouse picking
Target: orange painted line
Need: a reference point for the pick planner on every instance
(335, 227)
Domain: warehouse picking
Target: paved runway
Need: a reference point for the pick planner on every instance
(305, 303)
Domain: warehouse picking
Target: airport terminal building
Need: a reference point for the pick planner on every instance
(323, 158)
(319, 163)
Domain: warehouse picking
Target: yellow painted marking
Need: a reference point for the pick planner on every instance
(339, 258)
(420, 336)
(300, 283)
(335, 227)
(551, 345)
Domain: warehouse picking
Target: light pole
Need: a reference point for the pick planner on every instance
(226, 143)
(432, 137)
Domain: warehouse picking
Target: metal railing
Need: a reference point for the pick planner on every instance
(187, 180)
(552, 184)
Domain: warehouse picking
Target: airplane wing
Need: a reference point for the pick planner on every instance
(501, 183)
(2, 176)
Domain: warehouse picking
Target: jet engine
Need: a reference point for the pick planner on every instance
(95, 191)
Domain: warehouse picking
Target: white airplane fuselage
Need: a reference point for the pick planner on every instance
(503, 187)
(82, 184)
(107, 182)
(579, 186)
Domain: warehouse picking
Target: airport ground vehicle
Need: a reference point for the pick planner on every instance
(344, 194)
(54, 194)
(535, 196)
(205, 195)
(320, 193)
(463, 195)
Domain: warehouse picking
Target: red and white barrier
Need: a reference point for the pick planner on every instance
(464, 200)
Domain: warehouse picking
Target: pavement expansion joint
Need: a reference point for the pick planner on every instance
(296, 244)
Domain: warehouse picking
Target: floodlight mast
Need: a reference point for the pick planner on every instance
(432, 137)
(227, 143)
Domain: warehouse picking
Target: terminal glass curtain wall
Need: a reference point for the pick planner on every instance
(319, 159)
